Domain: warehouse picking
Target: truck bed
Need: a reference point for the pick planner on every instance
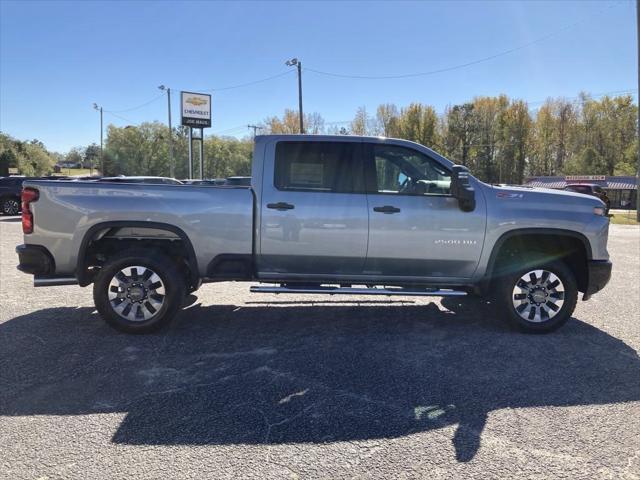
(216, 220)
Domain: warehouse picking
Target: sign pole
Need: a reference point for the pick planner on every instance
(202, 154)
(190, 152)
(638, 139)
(172, 166)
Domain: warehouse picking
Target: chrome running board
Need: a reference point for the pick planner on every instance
(360, 291)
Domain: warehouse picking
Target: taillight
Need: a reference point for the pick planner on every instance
(29, 195)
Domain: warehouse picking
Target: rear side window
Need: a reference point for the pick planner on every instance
(333, 167)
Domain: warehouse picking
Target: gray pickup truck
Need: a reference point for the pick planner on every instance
(323, 215)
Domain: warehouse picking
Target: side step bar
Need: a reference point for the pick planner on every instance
(54, 281)
(360, 291)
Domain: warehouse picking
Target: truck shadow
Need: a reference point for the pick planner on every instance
(306, 374)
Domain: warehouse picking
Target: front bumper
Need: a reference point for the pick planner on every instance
(35, 259)
(599, 272)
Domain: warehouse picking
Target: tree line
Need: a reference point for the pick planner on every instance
(500, 139)
(29, 158)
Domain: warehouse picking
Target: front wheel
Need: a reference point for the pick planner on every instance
(538, 299)
(138, 292)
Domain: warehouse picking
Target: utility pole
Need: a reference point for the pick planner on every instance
(171, 164)
(96, 107)
(638, 139)
(297, 63)
(255, 128)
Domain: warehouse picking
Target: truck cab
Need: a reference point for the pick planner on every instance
(347, 208)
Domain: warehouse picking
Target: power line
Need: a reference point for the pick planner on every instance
(122, 118)
(282, 74)
(461, 65)
(254, 82)
(231, 129)
(137, 106)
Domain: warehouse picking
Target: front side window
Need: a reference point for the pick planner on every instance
(405, 171)
(333, 167)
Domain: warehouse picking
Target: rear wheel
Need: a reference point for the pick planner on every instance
(10, 206)
(538, 299)
(138, 292)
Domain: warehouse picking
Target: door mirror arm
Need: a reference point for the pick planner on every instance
(461, 188)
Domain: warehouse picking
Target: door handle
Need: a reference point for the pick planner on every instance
(386, 209)
(280, 206)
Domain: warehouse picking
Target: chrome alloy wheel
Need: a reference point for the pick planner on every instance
(11, 207)
(136, 293)
(538, 296)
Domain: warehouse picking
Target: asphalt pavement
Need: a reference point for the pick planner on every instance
(266, 386)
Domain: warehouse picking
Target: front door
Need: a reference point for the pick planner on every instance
(416, 228)
(313, 213)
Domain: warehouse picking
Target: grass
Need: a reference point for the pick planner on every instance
(627, 218)
(77, 171)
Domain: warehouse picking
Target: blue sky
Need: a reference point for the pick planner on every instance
(57, 58)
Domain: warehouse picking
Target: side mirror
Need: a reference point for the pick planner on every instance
(462, 189)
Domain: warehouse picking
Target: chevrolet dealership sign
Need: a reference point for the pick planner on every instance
(582, 178)
(195, 109)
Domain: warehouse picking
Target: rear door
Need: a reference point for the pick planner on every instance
(416, 228)
(313, 209)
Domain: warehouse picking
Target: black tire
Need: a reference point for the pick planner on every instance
(10, 206)
(504, 289)
(146, 294)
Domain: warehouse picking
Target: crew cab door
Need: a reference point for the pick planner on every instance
(313, 210)
(416, 228)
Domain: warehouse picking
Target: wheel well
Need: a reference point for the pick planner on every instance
(102, 242)
(533, 247)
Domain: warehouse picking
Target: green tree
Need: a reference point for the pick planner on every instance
(360, 125)
(514, 143)
(75, 156)
(92, 156)
(419, 123)
(458, 132)
(289, 123)
(31, 158)
(143, 150)
(387, 120)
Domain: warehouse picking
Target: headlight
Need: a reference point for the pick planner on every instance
(601, 211)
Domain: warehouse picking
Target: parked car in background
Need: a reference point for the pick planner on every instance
(141, 179)
(238, 181)
(10, 188)
(590, 189)
(209, 181)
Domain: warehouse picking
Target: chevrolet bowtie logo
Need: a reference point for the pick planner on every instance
(195, 101)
